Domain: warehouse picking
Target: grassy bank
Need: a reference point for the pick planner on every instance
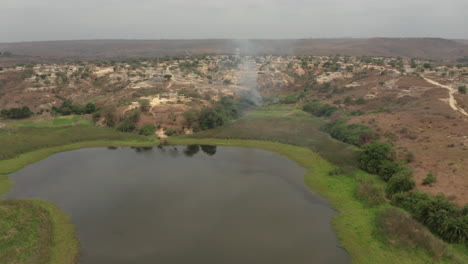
(288, 125)
(18, 140)
(38, 232)
(355, 223)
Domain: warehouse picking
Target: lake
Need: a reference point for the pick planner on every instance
(185, 204)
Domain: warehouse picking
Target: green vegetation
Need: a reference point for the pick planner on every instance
(370, 192)
(286, 124)
(223, 111)
(430, 179)
(68, 108)
(399, 229)
(292, 98)
(462, 89)
(355, 134)
(36, 232)
(318, 109)
(16, 113)
(441, 216)
(128, 123)
(148, 130)
(18, 140)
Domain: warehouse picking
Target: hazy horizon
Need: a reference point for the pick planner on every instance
(52, 20)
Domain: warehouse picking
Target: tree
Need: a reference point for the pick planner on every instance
(191, 116)
(168, 77)
(148, 130)
(374, 155)
(210, 118)
(401, 181)
(90, 108)
(145, 105)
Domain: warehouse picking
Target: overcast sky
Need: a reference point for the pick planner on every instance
(34, 20)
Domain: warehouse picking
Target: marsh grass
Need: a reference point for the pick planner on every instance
(17, 140)
(399, 229)
(36, 232)
(290, 126)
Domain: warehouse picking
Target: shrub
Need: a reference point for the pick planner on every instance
(399, 229)
(355, 134)
(68, 108)
(441, 216)
(148, 130)
(462, 89)
(16, 113)
(171, 132)
(128, 122)
(369, 193)
(360, 101)
(292, 98)
(430, 179)
(374, 156)
(401, 181)
(319, 109)
(389, 168)
(145, 105)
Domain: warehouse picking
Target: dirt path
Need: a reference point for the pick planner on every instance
(453, 103)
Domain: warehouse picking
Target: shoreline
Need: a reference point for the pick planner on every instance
(354, 223)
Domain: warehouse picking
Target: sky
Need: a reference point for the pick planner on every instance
(39, 20)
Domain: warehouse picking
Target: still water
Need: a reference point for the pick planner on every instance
(194, 204)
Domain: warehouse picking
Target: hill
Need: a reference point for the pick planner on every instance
(426, 48)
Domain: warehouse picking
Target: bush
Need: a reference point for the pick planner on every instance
(128, 122)
(374, 156)
(355, 134)
(292, 98)
(145, 105)
(148, 130)
(430, 179)
(399, 229)
(401, 181)
(16, 113)
(68, 108)
(441, 216)
(360, 101)
(319, 109)
(462, 89)
(389, 168)
(369, 193)
(171, 132)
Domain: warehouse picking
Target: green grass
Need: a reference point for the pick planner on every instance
(5, 184)
(17, 140)
(33, 231)
(355, 223)
(287, 125)
(41, 121)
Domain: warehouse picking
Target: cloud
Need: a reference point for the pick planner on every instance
(24, 20)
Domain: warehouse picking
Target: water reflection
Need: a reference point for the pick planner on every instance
(209, 149)
(191, 150)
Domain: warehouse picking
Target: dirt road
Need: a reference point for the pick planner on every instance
(453, 103)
